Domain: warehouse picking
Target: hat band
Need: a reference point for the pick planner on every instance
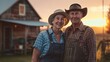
(75, 7)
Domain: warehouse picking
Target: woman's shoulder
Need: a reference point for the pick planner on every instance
(43, 32)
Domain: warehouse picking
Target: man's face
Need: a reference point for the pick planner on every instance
(75, 16)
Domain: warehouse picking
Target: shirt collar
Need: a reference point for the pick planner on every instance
(51, 31)
(81, 27)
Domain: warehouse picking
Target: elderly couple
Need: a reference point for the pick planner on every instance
(76, 44)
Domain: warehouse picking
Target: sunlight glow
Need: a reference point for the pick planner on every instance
(95, 22)
(99, 9)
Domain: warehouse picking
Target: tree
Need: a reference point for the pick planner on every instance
(108, 22)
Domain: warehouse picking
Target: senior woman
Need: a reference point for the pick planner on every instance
(49, 45)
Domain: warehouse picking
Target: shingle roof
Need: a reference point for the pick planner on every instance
(6, 4)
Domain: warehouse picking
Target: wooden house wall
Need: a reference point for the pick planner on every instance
(13, 12)
(18, 30)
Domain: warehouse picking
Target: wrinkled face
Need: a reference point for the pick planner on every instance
(75, 16)
(58, 21)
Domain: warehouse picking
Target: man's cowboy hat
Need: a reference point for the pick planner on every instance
(77, 7)
(57, 12)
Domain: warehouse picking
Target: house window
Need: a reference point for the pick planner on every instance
(22, 9)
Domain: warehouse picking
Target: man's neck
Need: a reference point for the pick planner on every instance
(76, 25)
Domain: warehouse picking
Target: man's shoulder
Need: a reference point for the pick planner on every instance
(68, 28)
(88, 27)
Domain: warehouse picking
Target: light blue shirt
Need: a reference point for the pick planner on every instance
(42, 41)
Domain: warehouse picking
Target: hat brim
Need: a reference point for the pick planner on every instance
(51, 17)
(84, 11)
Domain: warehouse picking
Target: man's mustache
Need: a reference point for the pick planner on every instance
(75, 18)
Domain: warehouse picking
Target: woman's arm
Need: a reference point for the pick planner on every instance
(35, 55)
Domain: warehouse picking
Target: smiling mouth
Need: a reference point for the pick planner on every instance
(59, 24)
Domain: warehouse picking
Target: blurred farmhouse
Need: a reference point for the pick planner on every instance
(19, 26)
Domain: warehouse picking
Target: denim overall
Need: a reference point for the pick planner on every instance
(55, 52)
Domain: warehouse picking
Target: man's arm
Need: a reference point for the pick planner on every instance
(92, 46)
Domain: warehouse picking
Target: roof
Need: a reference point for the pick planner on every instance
(6, 4)
(26, 22)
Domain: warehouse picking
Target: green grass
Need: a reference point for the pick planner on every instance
(17, 58)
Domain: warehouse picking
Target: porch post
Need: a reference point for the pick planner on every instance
(26, 39)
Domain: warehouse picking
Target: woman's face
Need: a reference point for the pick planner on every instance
(58, 21)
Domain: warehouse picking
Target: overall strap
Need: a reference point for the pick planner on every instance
(49, 36)
(63, 37)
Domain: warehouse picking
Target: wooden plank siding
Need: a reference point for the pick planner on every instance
(13, 12)
(17, 31)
